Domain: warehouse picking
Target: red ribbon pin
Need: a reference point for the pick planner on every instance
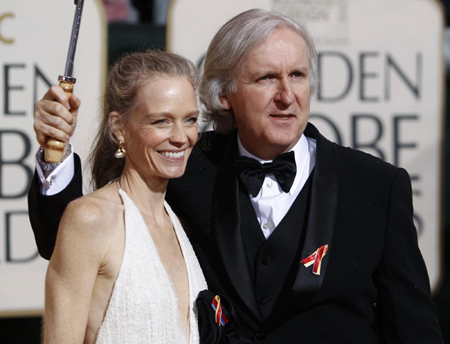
(316, 259)
(220, 318)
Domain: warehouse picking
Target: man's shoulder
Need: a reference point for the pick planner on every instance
(352, 158)
(212, 145)
(209, 140)
(205, 159)
(367, 172)
(364, 161)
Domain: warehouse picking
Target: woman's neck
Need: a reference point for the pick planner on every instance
(147, 193)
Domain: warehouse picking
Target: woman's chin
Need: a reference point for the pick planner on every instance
(174, 173)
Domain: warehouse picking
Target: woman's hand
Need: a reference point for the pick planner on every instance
(55, 116)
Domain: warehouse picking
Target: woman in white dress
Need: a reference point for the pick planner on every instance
(123, 270)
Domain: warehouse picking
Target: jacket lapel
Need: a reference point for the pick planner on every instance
(303, 284)
(226, 224)
(322, 212)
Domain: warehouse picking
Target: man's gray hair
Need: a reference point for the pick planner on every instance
(227, 54)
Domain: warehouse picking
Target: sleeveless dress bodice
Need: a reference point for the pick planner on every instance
(143, 307)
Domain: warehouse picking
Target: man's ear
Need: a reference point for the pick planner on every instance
(226, 103)
(115, 125)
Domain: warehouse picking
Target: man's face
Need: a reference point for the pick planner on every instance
(271, 103)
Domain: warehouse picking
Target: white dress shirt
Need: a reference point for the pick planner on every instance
(271, 204)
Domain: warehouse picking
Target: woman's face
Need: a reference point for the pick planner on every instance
(163, 129)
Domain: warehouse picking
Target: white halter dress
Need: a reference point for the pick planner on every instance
(143, 307)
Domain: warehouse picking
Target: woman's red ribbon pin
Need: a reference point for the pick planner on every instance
(220, 318)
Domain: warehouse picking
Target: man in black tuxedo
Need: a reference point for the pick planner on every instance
(310, 241)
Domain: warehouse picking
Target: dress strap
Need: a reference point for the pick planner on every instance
(121, 192)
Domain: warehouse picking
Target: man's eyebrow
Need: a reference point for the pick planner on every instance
(302, 69)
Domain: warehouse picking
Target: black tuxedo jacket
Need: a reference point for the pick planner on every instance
(359, 205)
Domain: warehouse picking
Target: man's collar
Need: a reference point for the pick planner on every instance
(300, 150)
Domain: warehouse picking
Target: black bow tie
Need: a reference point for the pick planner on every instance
(252, 173)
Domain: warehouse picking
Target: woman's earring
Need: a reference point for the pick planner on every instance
(120, 152)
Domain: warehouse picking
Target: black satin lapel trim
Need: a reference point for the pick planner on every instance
(322, 216)
(226, 224)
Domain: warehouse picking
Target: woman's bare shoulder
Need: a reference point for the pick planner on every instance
(101, 210)
(90, 228)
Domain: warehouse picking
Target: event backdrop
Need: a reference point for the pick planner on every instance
(381, 83)
(34, 40)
